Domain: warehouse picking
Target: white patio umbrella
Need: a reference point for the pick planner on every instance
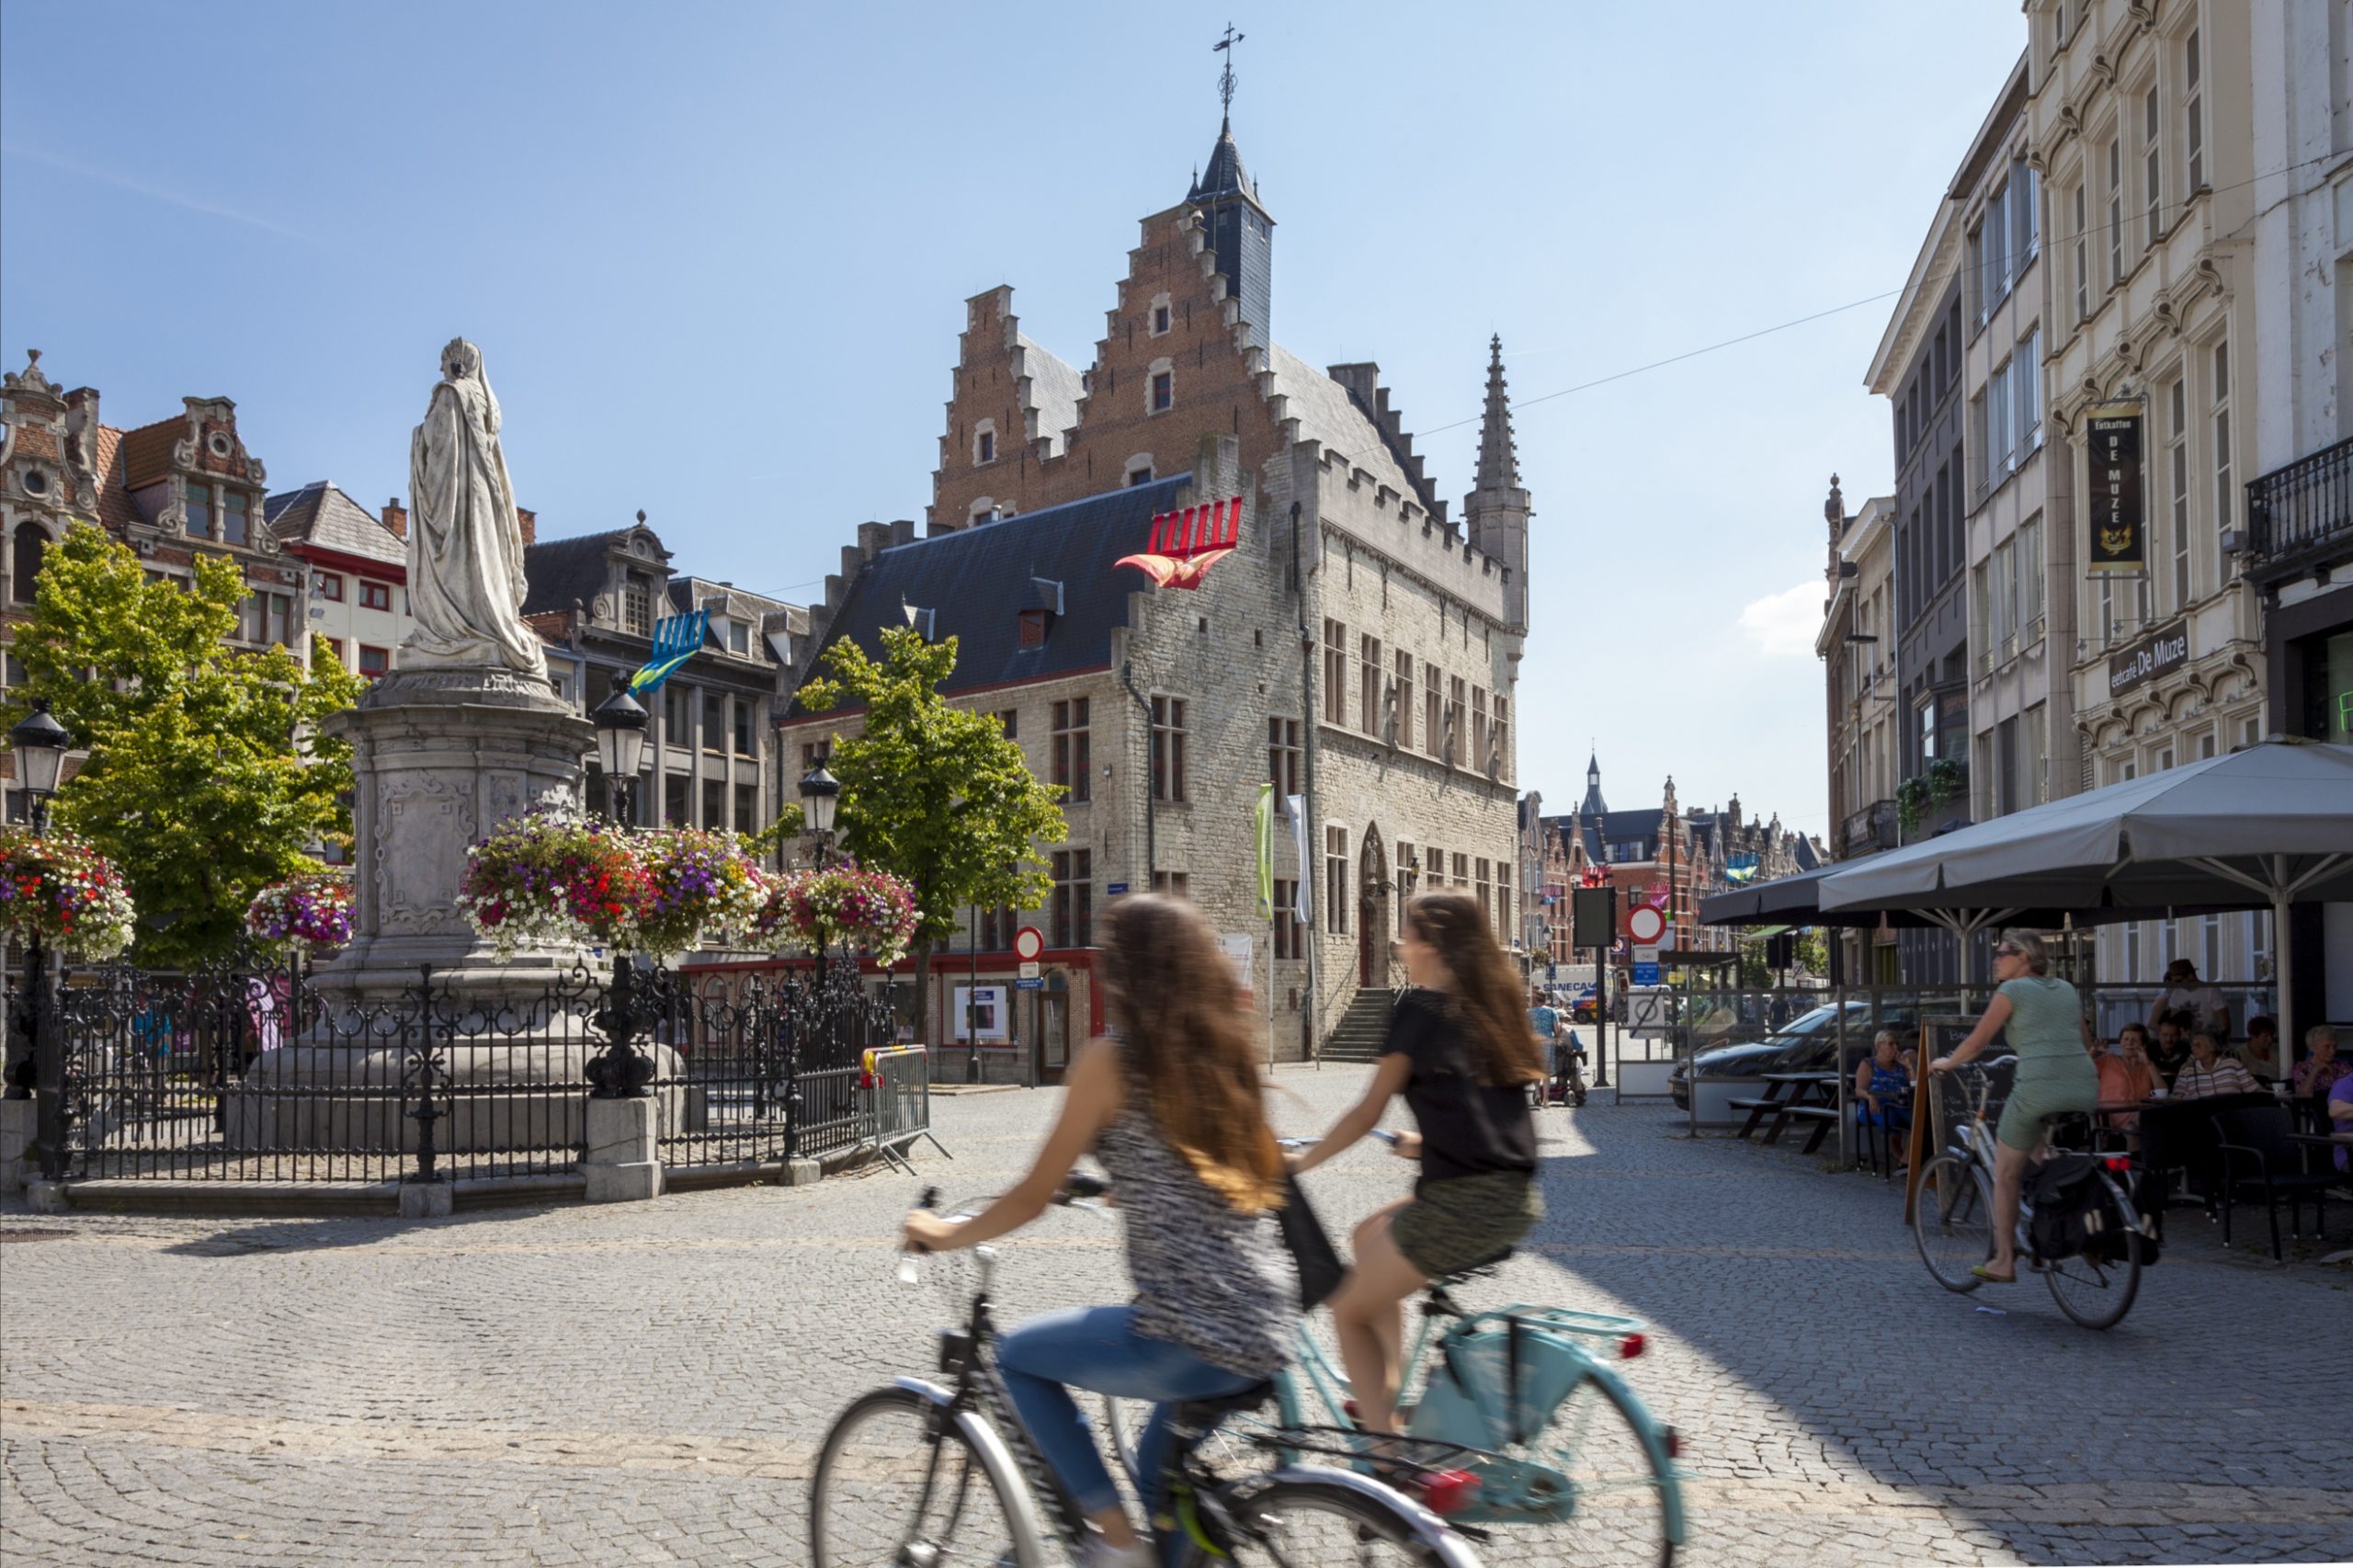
(2270, 826)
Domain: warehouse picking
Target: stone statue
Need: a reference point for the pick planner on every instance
(465, 543)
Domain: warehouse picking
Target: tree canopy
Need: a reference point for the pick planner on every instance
(208, 778)
(934, 793)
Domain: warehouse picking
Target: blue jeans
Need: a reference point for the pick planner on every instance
(1097, 1348)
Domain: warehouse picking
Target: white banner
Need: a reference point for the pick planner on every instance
(1304, 904)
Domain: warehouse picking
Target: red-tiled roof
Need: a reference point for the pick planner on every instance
(116, 510)
(147, 451)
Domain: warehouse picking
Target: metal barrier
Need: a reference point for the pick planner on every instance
(894, 1094)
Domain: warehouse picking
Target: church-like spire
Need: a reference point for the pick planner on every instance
(1498, 453)
(1592, 806)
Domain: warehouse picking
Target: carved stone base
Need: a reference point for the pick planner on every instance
(439, 757)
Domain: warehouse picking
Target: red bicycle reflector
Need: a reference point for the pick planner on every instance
(1447, 1491)
(2119, 1163)
(1348, 1408)
(1631, 1347)
(1674, 1444)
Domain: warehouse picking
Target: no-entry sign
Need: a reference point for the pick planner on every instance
(1645, 925)
(1027, 944)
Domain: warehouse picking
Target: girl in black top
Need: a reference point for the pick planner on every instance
(1460, 1051)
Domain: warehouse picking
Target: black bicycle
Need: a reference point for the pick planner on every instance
(916, 1474)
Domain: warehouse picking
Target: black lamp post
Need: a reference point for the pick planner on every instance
(620, 750)
(620, 1070)
(38, 743)
(820, 794)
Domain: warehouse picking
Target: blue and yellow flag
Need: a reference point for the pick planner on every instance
(676, 640)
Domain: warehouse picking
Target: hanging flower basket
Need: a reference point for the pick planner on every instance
(546, 877)
(700, 885)
(60, 888)
(873, 910)
(308, 912)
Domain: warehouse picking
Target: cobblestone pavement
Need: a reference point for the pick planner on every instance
(646, 1383)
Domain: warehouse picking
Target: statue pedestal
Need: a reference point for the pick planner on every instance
(439, 757)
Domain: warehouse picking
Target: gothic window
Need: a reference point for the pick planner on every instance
(31, 543)
(1073, 762)
(1168, 748)
(1335, 880)
(1404, 700)
(1074, 898)
(1335, 672)
(1283, 757)
(1369, 700)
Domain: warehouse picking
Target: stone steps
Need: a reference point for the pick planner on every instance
(1362, 1029)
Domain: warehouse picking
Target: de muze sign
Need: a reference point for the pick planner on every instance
(2160, 652)
(2118, 542)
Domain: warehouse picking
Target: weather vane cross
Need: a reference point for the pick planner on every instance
(1225, 79)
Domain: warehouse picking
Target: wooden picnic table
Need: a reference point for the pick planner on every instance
(1804, 1096)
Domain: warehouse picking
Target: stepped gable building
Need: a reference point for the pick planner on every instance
(1360, 647)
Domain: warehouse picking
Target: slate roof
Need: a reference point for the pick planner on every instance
(561, 573)
(1327, 413)
(321, 515)
(978, 579)
(1225, 176)
(1054, 388)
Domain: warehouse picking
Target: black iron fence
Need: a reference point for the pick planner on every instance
(245, 1070)
(2302, 513)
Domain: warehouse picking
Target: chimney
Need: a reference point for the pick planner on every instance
(531, 521)
(396, 517)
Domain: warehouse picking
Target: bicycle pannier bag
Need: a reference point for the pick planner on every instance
(1465, 1401)
(2071, 1214)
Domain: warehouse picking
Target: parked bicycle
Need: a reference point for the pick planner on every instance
(1576, 1446)
(919, 1475)
(1953, 1218)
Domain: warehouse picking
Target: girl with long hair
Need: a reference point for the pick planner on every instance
(1170, 1104)
(1460, 1051)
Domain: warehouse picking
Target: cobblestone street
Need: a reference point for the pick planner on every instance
(647, 1383)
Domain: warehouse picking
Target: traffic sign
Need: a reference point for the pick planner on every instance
(1645, 974)
(1646, 1014)
(1028, 971)
(1645, 955)
(1645, 924)
(1030, 982)
(1029, 943)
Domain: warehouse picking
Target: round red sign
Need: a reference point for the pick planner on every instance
(1027, 944)
(1645, 925)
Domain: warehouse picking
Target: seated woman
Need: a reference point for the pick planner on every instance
(2261, 1051)
(2209, 1072)
(2340, 1118)
(2126, 1076)
(1883, 1089)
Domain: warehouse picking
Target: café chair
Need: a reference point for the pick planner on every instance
(2260, 1158)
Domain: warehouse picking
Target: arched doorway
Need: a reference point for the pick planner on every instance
(1372, 910)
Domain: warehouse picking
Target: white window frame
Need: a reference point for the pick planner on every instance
(2193, 115)
(2150, 102)
(2218, 431)
(1159, 317)
(2116, 207)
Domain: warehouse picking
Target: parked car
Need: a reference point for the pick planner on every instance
(1807, 1044)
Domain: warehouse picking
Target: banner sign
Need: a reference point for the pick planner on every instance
(1741, 868)
(2161, 653)
(2119, 540)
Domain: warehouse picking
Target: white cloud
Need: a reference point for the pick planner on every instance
(1786, 622)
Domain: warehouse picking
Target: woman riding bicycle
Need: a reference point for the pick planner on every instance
(2044, 1023)
(1461, 1052)
(1170, 1104)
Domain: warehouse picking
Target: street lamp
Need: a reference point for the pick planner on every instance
(820, 793)
(622, 1071)
(621, 748)
(38, 743)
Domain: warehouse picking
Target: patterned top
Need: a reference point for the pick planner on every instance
(2225, 1078)
(2313, 1077)
(1892, 1086)
(1214, 1281)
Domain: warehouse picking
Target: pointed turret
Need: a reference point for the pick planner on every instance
(1241, 231)
(1496, 511)
(1593, 805)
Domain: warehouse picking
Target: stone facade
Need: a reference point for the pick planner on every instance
(1315, 650)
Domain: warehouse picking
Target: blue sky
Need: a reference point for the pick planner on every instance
(715, 255)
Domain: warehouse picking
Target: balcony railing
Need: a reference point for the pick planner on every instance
(2301, 515)
(1871, 828)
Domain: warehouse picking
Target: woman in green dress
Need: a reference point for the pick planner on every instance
(2044, 1019)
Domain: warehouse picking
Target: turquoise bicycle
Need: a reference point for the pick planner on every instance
(1577, 1445)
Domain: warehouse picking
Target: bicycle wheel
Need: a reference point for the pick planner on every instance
(884, 1493)
(2095, 1291)
(1952, 1223)
(1620, 1497)
(1296, 1522)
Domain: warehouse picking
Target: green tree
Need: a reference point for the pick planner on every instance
(208, 778)
(933, 794)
